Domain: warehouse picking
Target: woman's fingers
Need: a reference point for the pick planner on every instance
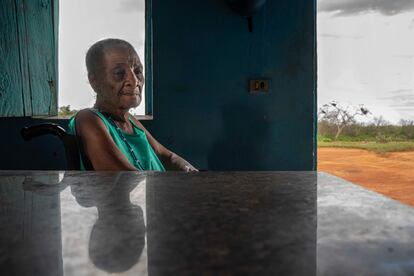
(189, 168)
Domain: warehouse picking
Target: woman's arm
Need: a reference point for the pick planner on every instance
(169, 159)
(173, 161)
(98, 144)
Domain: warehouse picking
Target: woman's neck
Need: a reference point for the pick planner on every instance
(117, 114)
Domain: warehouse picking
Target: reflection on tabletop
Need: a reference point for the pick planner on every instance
(117, 238)
(255, 223)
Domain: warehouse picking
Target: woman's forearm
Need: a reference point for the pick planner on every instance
(175, 162)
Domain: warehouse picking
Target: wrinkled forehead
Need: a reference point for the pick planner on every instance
(120, 55)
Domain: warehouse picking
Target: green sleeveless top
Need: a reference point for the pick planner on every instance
(137, 141)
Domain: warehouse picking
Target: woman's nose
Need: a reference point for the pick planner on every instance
(132, 79)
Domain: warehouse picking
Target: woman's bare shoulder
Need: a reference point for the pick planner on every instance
(87, 120)
(85, 114)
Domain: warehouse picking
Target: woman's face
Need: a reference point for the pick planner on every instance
(120, 80)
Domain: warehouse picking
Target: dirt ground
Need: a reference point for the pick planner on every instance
(391, 174)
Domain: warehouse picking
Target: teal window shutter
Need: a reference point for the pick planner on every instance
(28, 49)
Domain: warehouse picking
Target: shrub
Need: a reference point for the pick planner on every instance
(368, 132)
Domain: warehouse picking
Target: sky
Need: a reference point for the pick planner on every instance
(365, 50)
(82, 23)
(366, 55)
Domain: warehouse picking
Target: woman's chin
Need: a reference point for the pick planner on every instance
(137, 101)
(132, 101)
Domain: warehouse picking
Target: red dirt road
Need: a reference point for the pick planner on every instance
(391, 174)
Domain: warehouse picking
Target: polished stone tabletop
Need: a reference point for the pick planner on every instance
(208, 223)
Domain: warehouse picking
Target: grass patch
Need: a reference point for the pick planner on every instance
(370, 145)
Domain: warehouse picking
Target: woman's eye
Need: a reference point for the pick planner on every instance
(139, 75)
(119, 74)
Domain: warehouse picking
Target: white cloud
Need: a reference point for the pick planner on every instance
(377, 69)
(132, 5)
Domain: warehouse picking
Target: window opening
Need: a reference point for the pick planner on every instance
(82, 23)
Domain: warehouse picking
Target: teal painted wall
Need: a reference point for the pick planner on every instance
(203, 57)
(28, 50)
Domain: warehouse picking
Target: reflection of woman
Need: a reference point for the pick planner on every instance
(113, 139)
(118, 236)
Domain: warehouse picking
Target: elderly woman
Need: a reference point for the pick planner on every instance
(110, 137)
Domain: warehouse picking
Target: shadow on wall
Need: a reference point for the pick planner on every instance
(243, 141)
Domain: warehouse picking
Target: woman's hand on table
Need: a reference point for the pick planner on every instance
(190, 168)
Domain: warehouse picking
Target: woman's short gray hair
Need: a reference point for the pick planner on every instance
(96, 52)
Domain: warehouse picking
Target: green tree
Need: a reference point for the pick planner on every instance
(341, 116)
(66, 111)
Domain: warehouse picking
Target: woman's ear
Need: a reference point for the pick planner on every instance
(93, 80)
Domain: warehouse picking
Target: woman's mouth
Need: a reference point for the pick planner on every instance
(130, 93)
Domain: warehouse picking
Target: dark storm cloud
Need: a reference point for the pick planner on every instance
(132, 5)
(351, 7)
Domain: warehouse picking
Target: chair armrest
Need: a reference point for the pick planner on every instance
(31, 132)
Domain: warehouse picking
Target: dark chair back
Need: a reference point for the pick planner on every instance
(73, 149)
